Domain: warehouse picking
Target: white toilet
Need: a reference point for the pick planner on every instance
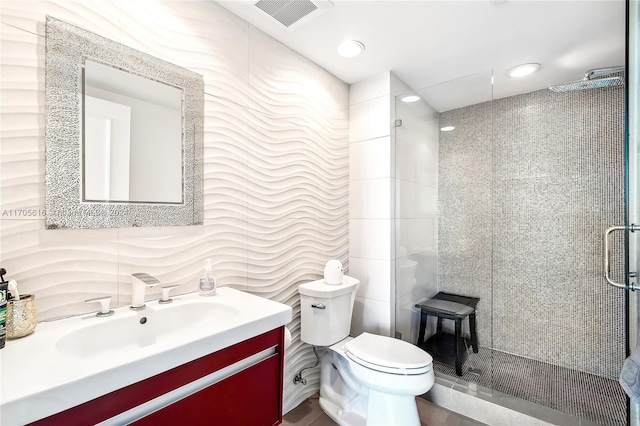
(367, 380)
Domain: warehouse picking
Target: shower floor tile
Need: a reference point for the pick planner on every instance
(587, 396)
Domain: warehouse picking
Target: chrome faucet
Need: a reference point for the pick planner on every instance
(140, 282)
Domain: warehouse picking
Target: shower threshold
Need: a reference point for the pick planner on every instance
(521, 384)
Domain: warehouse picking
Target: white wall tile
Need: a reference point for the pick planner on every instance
(358, 199)
(426, 201)
(370, 88)
(375, 279)
(406, 199)
(370, 159)
(379, 198)
(61, 267)
(358, 269)
(372, 316)
(379, 117)
(379, 280)
(359, 122)
(370, 238)
(408, 317)
(406, 282)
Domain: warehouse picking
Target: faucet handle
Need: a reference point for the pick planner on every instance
(146, 279)
(165, 293)
(104, 301)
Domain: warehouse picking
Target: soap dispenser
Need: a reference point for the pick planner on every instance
(207, 282)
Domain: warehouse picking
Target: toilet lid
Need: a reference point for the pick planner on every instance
(386, 354)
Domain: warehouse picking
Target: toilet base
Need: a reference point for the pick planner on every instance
(349, 403)
(392, 409)
(338, 415)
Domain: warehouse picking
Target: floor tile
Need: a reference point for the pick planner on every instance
(309, 413)
(304, 414)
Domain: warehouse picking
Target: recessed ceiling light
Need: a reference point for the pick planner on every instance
(410, 98)
(523, 70)
(350, 48)
(447, 128)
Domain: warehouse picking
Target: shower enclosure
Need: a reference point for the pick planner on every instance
(508, 200)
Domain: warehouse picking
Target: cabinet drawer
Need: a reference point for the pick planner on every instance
(249, 397)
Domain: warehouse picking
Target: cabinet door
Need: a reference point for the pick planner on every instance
(250, 397)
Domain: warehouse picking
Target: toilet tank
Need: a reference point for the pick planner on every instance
(326, 311)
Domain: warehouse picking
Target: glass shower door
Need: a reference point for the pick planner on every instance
(526, 185)
(443, 216)
(633, 175)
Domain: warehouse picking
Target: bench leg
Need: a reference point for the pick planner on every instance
(423, 325)
(459, 345)
(439, 328)
(473, 332)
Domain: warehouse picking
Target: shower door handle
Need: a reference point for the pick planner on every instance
(607, 262)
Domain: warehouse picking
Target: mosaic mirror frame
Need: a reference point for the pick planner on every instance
(66, 49)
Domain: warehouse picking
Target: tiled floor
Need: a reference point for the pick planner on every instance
(309, 413)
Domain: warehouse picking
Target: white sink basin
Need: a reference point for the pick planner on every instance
(68, 362)
(100, 337)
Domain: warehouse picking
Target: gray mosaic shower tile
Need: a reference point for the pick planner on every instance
(527, 186)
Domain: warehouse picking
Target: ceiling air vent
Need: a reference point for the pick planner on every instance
(293, 13)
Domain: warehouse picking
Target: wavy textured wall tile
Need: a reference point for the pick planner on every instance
(275, 166)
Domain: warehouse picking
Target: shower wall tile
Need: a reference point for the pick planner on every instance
(370, 88)
(379, 117)
(527, 186)
(374, 276)
(371, 316)
(409, 324)
(358, 199)
(370, 198)
(371, 209)
(416, 236)
(379, 198)
(370, 238)
(415, 200)
(370, 159)
(276, 165)
(358, 122)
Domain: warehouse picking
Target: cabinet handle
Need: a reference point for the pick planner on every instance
(318, 306)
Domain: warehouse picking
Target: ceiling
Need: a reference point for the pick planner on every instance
(426, 43)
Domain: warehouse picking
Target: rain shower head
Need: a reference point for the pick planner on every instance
(593, 80)
(587, 84)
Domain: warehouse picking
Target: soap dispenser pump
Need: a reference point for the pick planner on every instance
(207, 282)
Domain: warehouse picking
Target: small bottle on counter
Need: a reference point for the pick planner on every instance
(207, 282)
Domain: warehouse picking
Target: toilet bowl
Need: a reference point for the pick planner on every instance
(366, 380)
(373, 380)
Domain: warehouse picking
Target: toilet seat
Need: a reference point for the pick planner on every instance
(388, 355)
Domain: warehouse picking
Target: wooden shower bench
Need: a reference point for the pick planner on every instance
(450, 348)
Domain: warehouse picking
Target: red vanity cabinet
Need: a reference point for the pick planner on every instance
(246, 381)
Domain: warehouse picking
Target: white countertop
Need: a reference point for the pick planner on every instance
(38, 379)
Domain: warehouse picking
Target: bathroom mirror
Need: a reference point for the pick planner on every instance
(123, 135)
(132, 138)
